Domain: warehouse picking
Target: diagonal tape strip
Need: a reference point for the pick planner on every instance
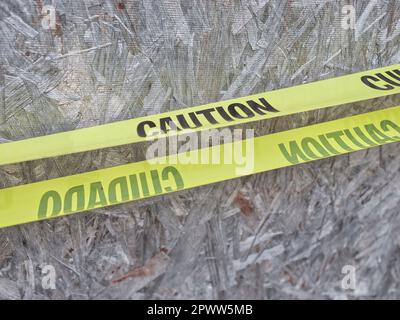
(143, 179)
(346, 89)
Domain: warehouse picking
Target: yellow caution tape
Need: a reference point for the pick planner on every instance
(350, 88)
(101, 188)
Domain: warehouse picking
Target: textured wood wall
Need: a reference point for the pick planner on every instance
(282, 234)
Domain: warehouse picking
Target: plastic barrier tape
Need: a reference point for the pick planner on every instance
(346, 89)
(101, 188)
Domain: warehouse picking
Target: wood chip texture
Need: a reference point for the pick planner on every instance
(285, 234)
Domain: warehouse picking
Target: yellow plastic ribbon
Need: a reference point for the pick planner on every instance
(101, 188)
(346, 89)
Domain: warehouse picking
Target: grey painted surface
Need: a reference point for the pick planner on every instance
(282, 234)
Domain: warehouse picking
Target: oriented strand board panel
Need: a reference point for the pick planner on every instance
(292, 233)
